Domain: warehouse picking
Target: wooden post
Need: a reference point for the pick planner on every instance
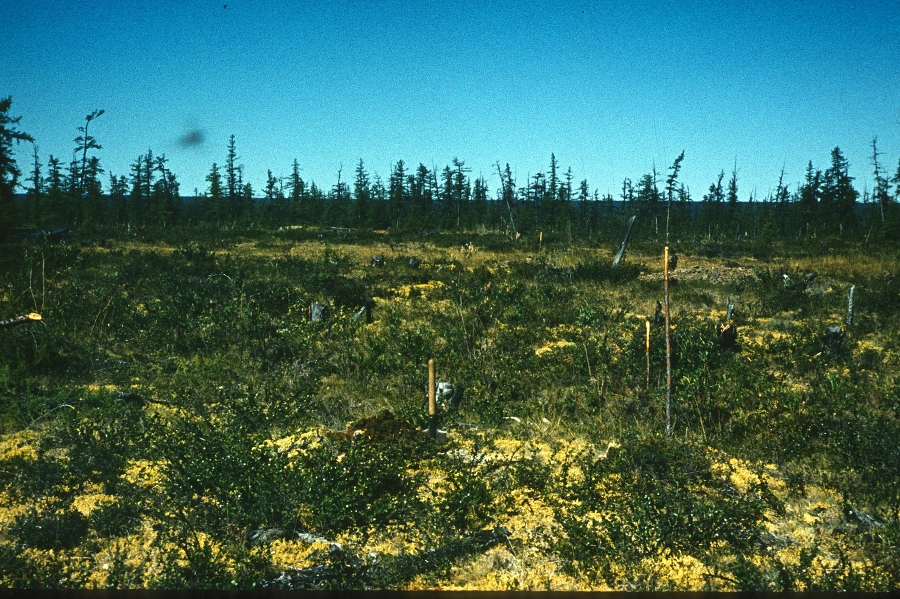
(668, 346)
(647, 322)
(432, 402)
(850, 307)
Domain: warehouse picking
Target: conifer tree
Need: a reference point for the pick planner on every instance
(627, 191)
(536, 192)
(420, 186)
(298, 195)
(839, 191)
(9, 171)
(670, 188)
(647, 198)
(809, 193)
(362, 195)
(732, 196)
(118, 191)
(137, 200)
(85, 142)
(93, 209)
(447, 198)
(215, 210)
(462, 192)
(551, 194)
(33, 197)
(479, 202)
(397, 193)
(508, 193)
(232, 176)
(55, 201)
(585, 216)
(276, 208)
(380, 217)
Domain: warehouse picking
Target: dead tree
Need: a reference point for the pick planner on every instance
(621, 253)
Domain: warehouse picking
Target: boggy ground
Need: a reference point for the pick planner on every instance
(177, 421)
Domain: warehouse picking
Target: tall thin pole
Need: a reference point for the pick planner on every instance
(850, 307)
(647, 322)
(668, 346)
(432, 402)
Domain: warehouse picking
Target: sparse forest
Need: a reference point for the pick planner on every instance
(232, 391)
(419, 200)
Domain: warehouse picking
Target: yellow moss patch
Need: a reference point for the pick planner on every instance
(287, 553)
(93, 498)
(19, 445)
(143, 473)
(292, 445)
(678, 572)
(501, 570)
(551, 346)
(423, 290)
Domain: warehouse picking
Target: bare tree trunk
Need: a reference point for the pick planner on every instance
(621, 253)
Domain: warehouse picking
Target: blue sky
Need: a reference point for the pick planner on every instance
(610, 88)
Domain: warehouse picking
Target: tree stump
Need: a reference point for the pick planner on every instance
(831, 342)
(318, 312)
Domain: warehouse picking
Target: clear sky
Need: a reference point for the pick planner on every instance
(611, 88)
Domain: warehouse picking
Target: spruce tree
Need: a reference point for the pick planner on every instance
(231, 178)
(215, 209)
(118, 191)
(462, 193)
(362, 196)
(33, 196)
(839, 191)
(55, 201)
(298, 193)
(137, 201)
(85, 142)
(9, 171)
(397, 194)
(809, 194)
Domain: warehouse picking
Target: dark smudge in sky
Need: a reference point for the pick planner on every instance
(192, 138)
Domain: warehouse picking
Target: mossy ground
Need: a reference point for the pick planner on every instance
(242, 415)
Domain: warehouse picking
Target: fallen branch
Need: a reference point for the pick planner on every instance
(12, 322)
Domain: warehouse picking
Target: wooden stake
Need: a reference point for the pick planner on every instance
(668, 346)
(647, 322)
(432, 402)
(850, 307)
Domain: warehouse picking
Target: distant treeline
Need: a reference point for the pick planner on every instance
(422, 199)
